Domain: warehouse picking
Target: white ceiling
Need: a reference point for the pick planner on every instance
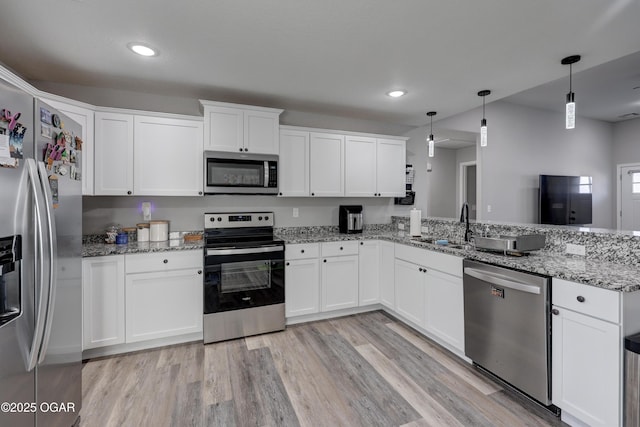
(324, 56)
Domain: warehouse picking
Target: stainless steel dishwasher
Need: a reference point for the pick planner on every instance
(506, 326)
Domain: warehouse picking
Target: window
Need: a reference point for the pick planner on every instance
(635, 182)
(585, 185)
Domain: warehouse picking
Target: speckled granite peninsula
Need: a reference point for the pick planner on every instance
(612, 259)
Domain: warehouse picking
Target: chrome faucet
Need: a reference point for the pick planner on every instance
(464, 217)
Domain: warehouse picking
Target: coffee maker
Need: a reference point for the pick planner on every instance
(350, 219)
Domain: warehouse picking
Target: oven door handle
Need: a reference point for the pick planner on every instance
(241, 251)
(500, 280)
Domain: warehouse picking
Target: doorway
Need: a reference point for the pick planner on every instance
(468, 185)
(629, 197)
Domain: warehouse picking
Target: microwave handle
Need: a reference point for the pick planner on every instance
(266, 174)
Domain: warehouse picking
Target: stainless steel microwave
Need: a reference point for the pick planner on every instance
(240, 173)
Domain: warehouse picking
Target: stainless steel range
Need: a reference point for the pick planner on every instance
(244, 276)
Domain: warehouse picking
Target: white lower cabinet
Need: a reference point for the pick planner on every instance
(444, 303)
(163, 304)
(369, 273)
(339, 282)
(103, 301)
(586, 354)
(410, 291)
(302, 287)
(387, 274)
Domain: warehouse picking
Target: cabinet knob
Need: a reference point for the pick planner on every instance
(313, 194)
(361, 243)
(280, 194)
(246, 149)
(199, 193)
(129, 192)
(240, 149)
(420, 269)
(555, 311)
(165, 261)
(580, 298)
(301, 251)
(341, 248)
(199, 271)
(324, 260)
(288, 263)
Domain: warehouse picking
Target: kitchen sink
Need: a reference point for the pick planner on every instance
(432, 241)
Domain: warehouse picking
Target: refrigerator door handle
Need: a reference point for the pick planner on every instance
(42, 291)
(52, 254)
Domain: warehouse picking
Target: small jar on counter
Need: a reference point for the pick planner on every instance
(122, 238)
(111, 232)
(143, 232)
(159, 231)
(131, 233)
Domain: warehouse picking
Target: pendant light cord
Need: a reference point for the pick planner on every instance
(570, 77)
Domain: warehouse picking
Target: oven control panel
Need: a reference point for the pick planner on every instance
(238, 219)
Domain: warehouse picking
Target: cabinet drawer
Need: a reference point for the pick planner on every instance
(349, 247)
(446, 263)
(163, 261)
(301, 251)
(597, 302)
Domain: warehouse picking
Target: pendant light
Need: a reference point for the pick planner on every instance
(483, 122)
(432, 144)
(570, 108)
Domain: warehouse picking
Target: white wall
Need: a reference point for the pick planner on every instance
(526, 142)
(186, 213)
(626, 142)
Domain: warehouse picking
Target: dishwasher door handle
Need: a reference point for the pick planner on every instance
(500, 280)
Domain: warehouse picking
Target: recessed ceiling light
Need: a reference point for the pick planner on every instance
(142, 49)
(397, 93)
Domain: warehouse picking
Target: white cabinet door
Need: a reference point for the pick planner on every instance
(261, 132)
(410, 284)
(302, 290)
(84, 117)
(391, 168)
(339, 282)
(113, 154)
(326, 177)
(387, 274)
(163, 304)
(369, 277)
(223, 129)
(103, 301)
(168, 157)
(586, 367)
(444, 314)
(360, 166)
(293, 168)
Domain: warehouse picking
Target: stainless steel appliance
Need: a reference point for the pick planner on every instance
(40, 209)
(507, 326)
(244, 276)
(240, 173)
(516, 245)
(350, 219)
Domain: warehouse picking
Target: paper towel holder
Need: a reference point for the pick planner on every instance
(415, 216)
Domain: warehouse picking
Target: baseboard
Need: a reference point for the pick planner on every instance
(141, 345)
(332, 314)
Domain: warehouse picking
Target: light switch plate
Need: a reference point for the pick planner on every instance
(576, 249)
(424, 230)
(296, 212)
(146, 211)
(400, 226)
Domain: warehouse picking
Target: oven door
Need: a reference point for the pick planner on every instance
(243, 277)
(230, 173)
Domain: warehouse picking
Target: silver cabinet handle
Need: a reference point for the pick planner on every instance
(500, 280)
(264, 249)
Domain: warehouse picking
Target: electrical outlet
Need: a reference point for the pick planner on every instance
(400, 226)
(488, 208)
(576, 249)
(296, 212)
(424, 230)
(146, 211)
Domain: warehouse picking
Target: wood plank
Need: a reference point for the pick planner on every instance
(457, 367)
(188, 406)
(243, 380)
(432, 412)
(221, 414)
(217, 380)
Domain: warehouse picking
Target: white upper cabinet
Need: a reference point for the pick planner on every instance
(241, 128)
(293, 168)
(168, 157)
(326, 177)
(147, 155)
(113, 154)
(391, 167)
(360, 166)
(84, 117)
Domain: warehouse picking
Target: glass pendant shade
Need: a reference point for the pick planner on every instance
(431, 146)
(570, 112)
(483, 133)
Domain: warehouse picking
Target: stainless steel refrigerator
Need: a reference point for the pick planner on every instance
(40, 261)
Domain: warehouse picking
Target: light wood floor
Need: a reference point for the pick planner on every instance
(362, 370)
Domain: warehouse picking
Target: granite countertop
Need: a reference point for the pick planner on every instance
(616, 277)
(102, 249)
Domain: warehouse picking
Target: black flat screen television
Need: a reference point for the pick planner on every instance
(565, 200)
